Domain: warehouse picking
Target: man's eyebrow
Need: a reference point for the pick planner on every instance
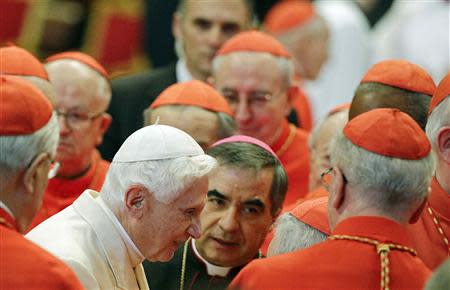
(216, 193)
(255, 202)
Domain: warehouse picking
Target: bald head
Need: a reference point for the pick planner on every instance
(319, 144)
(71, 77)
(369, 96)
(206, 127)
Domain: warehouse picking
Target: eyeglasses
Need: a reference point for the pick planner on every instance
(75, 120)
(54, 167)
(326, 178)
(255, 100)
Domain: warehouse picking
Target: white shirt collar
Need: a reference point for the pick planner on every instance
(182, 72)
(212, 270)
(6, 208)
(136, 256)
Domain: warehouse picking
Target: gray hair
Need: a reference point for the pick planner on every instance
(440, 279)
(439, 118)
(17, 152)
(285, 65)
(391, 185)
(166, 178)
(292, 234)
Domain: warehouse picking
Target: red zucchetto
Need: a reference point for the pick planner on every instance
(23, 108)
(388, 132)
(193, 93)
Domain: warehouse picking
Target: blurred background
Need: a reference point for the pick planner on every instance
(130, 35)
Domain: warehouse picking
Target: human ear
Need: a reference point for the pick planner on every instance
(36, 173)
(338, 189)
(135, 199)
(443, 144)
(106, 120)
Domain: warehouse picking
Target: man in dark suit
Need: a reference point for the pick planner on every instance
(245, 195)
(199, 28)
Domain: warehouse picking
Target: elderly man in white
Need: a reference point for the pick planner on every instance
(150, 203)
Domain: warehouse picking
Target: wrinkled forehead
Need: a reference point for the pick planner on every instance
(77, 83)
(255, 69)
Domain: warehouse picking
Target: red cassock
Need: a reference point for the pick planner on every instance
(292, 150)
(302, 106)
(61, 192)
(341, 263)
(24, 265)
(425, 234)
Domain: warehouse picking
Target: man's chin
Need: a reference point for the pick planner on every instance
(166, 257)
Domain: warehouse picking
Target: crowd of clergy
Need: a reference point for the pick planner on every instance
(219, 171)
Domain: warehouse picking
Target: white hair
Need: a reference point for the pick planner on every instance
(391, 185)
(439, 118)
(17, 152)
(166, 179)
(292, 234)
(285, 65)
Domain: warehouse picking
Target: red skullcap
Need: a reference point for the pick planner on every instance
(23, 108)
(286, 15)
(81, 57)
(193, 93)
(401, 74)
(388, 132)
(442, 91)
(314, 213)
(253, 41)
(246, 139)
(17, 61)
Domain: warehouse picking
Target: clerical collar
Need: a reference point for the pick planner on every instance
(212, 270)
(136, 256)
(6, 208)
(182, 72)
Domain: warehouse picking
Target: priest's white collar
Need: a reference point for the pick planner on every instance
(213, 270)
(182, 72)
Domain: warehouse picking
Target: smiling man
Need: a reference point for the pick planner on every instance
(254, 72)
(150, 204)
(244, 198)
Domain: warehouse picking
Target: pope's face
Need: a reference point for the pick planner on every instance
(165, 226)
(237, 215)
(204, 27)
(253, 85)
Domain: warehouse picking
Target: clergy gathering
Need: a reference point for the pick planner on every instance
(224, 144)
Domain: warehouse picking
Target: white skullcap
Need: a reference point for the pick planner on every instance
(156, 142)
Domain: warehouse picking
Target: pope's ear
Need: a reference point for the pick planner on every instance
(135, 199)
